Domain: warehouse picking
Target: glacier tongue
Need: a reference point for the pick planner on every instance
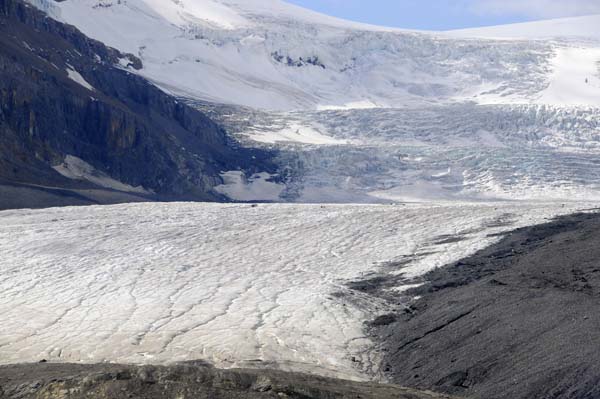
(237, 285)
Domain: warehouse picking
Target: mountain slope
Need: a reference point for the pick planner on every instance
(273, 55)
(72, 120)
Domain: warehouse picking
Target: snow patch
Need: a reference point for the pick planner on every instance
(124, 62)
(77, 169)
(184, 12)
(77, 78)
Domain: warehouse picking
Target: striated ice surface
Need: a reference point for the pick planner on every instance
(237, 285)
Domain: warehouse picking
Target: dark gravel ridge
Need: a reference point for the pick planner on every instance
(191, 380)
(519, 319)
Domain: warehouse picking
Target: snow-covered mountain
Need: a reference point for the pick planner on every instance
(321, 110)
(272, 55)
(365, 113)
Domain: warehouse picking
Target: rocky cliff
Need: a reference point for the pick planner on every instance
(64, 96)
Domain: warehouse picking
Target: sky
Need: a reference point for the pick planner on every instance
(449, 14)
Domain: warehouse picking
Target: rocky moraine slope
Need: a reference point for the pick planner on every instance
(516, 320)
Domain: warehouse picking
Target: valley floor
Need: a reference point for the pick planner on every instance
(236, 285)
(57, 381)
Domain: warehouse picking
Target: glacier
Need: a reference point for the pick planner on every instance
(441, 152)
(387, 142)
(237, 285)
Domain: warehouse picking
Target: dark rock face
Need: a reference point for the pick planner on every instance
(124, 126)
(54, 381)
(516, 320)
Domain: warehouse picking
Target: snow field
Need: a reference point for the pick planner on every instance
(272, 55)
(575, 80)
(582, 28)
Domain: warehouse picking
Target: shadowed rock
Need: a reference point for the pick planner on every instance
(63, 94)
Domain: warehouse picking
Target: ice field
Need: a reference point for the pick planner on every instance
(237, 285)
